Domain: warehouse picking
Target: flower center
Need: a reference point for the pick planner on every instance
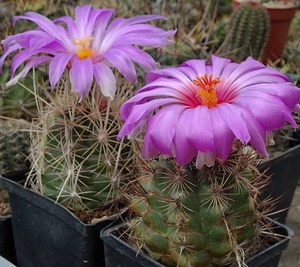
(207, 92)
(83, 51)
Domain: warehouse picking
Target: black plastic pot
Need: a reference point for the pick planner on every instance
(7, 245)
(119, 254)
(46, 234)
(285, 172)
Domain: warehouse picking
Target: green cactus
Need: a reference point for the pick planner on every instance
(18, 101)
(76, 158)
(14, 145)
(202, 218)
(247, 32)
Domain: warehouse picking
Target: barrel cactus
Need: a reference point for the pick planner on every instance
(191, 217)
(75, 156)
(197, 204)
(247, 32)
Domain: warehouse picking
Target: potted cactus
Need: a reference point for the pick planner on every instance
(78, 167)
(281, 13)
(247, 32)
(17, 107)
(196, 201)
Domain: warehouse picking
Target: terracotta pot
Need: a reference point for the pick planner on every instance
(280, 20)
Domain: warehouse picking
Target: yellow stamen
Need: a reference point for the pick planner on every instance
(207, 92)
(83, 51)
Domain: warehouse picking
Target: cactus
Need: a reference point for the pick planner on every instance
(76, 159)
(198, 217)
(247, 32)
(14, 146)
(18, 101)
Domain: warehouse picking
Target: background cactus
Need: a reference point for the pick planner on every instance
(247, 32)
(14, 145)
(192, 217)
(76, 159)
(18, 101)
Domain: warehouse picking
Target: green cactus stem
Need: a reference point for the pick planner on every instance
(201, 218)
(14, 145)
(18, 101)
(247, 32)
(76, 157)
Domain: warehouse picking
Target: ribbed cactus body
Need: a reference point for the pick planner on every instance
(14, 146)
(76, 157)
(18, 101)
(247, 32)
(201, 218)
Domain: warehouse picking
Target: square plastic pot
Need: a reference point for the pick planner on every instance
(47, 234)
(119, 254)
(7, 245)
(285, 173)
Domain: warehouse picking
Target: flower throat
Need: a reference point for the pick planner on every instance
(207, 92)
(83, 51)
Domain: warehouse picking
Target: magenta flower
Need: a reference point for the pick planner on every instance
(198, 110)
(89, 46)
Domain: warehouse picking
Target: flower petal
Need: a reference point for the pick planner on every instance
(207, 159)
(81, 76)
(200, 133)
(139, 56)
(4, 56)
(32, 63)
(258, 134)
(106, 79)
(122, 63)
(223, 136)
(101, 24)
(184, 151)
(138, 113)
(57, 67)
(233, 116)
(148, 150)
(162, 137)
(82, 13)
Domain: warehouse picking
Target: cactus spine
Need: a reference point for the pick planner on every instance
(76, 159)
(200, 218)
(247, 32)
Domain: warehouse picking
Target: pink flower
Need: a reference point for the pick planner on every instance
(198, 110)
(89, 46)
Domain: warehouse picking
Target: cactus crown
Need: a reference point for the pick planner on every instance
(247, 32)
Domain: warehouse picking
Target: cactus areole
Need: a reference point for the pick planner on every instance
(196, 200)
